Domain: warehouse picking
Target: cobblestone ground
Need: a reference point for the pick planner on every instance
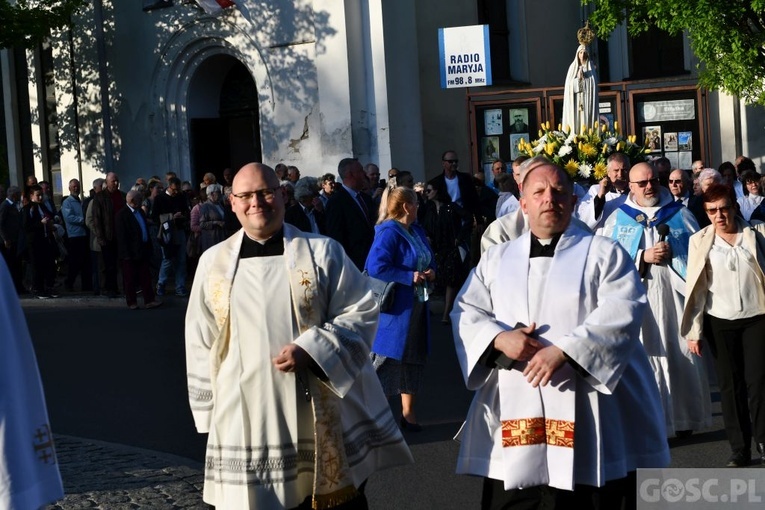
(108, 476)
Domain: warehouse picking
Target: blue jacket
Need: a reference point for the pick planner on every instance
(393, 258)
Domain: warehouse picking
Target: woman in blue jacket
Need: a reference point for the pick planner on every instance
(400, 253)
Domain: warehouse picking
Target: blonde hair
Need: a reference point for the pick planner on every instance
(392, 203)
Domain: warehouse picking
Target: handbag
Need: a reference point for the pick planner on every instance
(384, 292)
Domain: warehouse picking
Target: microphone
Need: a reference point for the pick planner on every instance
(663, 230)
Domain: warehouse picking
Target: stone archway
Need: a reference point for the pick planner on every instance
(223, 114)
(185, 85)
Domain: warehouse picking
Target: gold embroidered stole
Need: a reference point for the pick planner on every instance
(333, 483)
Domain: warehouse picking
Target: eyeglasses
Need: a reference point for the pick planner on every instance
(643, 184)
(266, 194)
(452, 161)
(714, 210)
(675, 181)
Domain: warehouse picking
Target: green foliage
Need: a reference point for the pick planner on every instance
(728, 36)
(27, 22)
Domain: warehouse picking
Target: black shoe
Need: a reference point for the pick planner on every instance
(43, 295)
(681, 434)
(411, 427)
(740, 458)
(761, 451)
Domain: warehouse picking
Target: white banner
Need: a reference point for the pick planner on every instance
(465, 58)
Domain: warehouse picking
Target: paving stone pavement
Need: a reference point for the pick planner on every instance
(109, 476)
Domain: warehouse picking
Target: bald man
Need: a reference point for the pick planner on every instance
(106, 205)
(571, 367)
(661, 258)
(278, 332)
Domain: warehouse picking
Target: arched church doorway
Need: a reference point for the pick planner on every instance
(223, 112)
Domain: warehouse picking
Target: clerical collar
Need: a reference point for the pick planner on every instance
(543, 247)
(271, 247)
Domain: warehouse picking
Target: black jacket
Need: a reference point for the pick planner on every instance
(347, 224)
(130, 245)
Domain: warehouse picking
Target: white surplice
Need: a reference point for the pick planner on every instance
(29, 475)
(618, 426)
(511, 226)
(261, 446)
(680, 375)
(585, 209)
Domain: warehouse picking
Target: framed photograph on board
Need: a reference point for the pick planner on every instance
(670, 141)
(685, 141)
(492, 121)
(514, 141)
(519, 121)
(489, 149)
(652, 137)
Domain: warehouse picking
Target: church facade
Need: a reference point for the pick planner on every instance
(166, 86)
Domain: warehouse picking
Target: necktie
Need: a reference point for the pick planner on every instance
(363, 206)
(139, 219)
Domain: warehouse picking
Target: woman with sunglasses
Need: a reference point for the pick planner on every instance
(725, 304)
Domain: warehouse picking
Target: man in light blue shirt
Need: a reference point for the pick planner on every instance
(78, 258)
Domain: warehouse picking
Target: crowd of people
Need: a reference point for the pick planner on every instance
(573, 307)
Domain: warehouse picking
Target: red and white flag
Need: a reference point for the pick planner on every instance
(215, 6)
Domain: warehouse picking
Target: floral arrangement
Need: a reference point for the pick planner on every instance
(583, 155)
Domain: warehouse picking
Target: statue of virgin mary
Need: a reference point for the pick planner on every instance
(580, 95)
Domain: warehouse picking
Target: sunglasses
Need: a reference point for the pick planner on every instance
(714, 210)
(675, 181)
(643, 184)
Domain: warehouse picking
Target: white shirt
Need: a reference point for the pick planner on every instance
(453, 188)
(735, 289)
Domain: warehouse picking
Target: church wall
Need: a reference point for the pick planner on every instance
(296, 52)
(444, 112)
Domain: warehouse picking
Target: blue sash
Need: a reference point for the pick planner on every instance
(630, 223)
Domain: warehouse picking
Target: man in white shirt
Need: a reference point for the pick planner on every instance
(606, 196)
(546, 331)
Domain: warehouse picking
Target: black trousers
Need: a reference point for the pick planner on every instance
(619, 494)
(738, 348)
(78, 261)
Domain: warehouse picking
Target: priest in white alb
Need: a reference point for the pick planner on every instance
(546, 331)
(278, 332)
(661, 260)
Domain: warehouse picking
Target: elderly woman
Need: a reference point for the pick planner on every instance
(211, 218)
(400, 253)
(725, 304)
(752, 194)
(707, 177)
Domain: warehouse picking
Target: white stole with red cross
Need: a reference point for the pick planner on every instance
(538, 424)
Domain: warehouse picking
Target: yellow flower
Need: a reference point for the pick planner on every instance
(605, 148)
(619, 146)
(540, 133)
(550, 149)
(589, 150)
(600, 171)
(616, 126)
(572, 167)
(560, 127)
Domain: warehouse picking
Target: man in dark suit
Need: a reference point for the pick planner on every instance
(106, 205)
(456, 184)
(134, 251)
(10, 231)
(351, 214)
(305, 215)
